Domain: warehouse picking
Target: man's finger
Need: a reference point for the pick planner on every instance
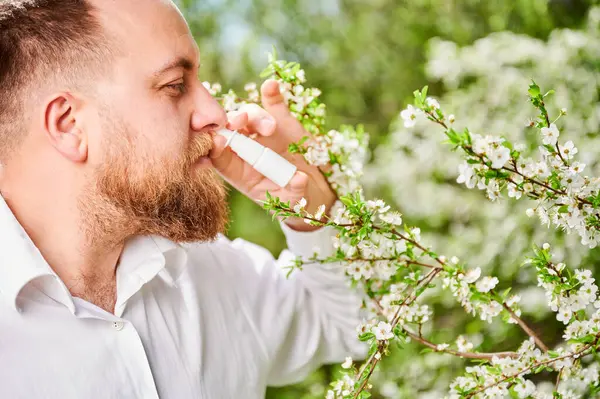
(218, 146)
(297, 186)
(237, 120)
(259, 120)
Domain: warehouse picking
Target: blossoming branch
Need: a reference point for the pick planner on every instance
(389, 261)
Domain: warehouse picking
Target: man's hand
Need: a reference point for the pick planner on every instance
(275, 127)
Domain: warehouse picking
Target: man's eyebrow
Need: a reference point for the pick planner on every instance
(180, 62)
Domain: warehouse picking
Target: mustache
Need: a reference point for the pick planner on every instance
(200, 146)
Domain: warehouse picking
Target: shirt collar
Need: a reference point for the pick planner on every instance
(21, 261)
(142, 259)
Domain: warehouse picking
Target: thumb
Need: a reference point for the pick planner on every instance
(271, 95)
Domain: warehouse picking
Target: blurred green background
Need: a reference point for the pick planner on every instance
(366, 56)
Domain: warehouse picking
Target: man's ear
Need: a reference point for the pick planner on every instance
(63, 129)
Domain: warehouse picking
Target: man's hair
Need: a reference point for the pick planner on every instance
(44, 43)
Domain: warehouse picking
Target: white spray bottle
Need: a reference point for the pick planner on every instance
(266, 161)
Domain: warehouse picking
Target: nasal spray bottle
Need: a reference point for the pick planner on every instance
(266, 161)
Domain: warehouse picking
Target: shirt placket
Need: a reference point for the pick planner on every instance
(128, 345)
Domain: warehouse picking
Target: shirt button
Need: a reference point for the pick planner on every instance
(118, 325)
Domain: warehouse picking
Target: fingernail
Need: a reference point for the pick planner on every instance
(266, 125)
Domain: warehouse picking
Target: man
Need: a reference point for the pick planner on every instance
(114, 279)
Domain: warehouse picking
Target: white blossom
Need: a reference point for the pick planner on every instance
(392, 218)
(496, 392)
(487, 284)
(360, 270)
(383, 331)
(550, 134)
(472, 275)
(378, 206)
(347, 363)
(442, 347)
(525, 389)
(568, 150)
(493, 190)
(320, 212)
(463, 345)
(488, 311)
(432, 102)
(466, 175)
(499, 156)
(299, 207)
(409, 115)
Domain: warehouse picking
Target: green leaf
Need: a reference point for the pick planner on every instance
(347, 201)
(267, 72)
(491, 174)
(366, 336)
(424, 94)
(539, 369)
(274, 53)
(534, 89)
(303, 140)
(563, 209)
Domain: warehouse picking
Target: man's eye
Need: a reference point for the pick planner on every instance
(179, 87)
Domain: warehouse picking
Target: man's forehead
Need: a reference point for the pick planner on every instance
(151, 31)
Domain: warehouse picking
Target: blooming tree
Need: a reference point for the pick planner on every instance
(397, 270)
(484, 83)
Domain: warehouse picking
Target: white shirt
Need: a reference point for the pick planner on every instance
(206, 320)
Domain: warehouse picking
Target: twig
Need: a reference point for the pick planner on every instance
(549, 361)
(375, 361)
(531, 180)
(526, 328)
(394, 323)
(467, 355)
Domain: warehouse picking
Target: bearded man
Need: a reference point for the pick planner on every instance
(115, 278)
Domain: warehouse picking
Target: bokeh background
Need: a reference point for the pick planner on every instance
(477, 56)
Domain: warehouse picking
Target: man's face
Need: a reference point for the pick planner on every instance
(152, 135)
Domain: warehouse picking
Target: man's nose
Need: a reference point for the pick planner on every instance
(208, 113)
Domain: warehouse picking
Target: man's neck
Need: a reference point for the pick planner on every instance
(83, 260)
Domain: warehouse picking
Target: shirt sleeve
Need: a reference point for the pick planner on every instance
(307, 319)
